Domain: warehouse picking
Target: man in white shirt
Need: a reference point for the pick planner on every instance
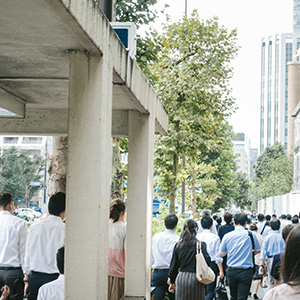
(44, 239)
(213, 245)
(162, 249)
(262, 227)
(54, 290)
(13, 235)
(206, 213)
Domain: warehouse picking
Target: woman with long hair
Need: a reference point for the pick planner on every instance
(116, 251)
(289, 270)
(184, 283)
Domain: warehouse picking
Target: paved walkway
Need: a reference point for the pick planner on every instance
(261, 293)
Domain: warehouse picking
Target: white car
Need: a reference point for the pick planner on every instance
(34, 212)
(25, 213)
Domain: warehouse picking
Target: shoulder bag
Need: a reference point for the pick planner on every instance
(252, 242)
(204, 273)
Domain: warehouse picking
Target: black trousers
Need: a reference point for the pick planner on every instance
(239, 282)
(13, 277)
(36, 280)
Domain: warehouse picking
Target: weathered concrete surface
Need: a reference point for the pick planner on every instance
(64, 62)
(36, 39)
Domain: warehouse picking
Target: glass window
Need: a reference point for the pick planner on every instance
(32, 140)
(10, 140)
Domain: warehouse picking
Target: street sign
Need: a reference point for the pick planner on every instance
(34, 183)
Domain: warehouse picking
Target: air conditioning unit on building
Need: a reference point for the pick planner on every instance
(127, 34)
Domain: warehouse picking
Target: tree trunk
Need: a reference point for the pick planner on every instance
(57, 165)
(173, 187)
(193, 189)
(117, 171)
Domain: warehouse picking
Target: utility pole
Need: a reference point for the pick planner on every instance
(185, 8)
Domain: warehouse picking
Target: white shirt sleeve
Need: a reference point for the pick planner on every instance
(22, 243)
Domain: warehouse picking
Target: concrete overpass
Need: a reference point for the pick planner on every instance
(64, 71)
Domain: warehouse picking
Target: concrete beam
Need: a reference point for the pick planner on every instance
(55, 122)
(12, 103)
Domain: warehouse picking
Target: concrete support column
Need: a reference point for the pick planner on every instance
(139, 204)
(88, 177)
(293, 99)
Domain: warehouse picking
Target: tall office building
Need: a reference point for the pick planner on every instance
(276, 51)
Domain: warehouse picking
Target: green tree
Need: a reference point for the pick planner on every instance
(222, 158)
(18, 169)
(273, 173)
(191, 76)
(140, 12)
(241, 199)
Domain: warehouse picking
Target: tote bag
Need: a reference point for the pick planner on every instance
(204, 273)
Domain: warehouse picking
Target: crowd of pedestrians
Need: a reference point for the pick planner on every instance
(237, 248)
(240, 248)
(34, 258)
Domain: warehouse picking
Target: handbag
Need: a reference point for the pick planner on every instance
(220, 291)
(264, 280)
(204, 273)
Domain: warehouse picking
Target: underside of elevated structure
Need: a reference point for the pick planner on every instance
(64, 71)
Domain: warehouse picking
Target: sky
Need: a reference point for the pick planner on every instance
(254, 20)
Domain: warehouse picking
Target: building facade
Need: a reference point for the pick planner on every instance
(276, 51)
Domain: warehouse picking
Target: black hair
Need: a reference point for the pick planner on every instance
(57, 204)
(283, 216)
(295, 220)
(215, 217)
(275, 225)
(289, 217)
(219, 220)
(248, 220)
(228, 217)
(240, 219)
(206, 222)
(290, 261)
(188, 234)
(286, 231)
(268, 217)
(274, 216)
(117, 206)
(5, 199)
(260, 217)
(171, 221)
(60, 259)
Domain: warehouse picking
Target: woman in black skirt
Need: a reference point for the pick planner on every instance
(184, 283)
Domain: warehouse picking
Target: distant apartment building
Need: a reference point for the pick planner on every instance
(276, 51)
(241, 149)
(36, 145)
(253, 158)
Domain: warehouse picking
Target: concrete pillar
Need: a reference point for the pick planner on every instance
(293, 99)
(88, 177)
(139, 204)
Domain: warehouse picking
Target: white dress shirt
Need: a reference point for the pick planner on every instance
(44, 239)
(162, 248)
(212, 243)
(213, 230)
(13, 235)
(260, 226)
(53, 290)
